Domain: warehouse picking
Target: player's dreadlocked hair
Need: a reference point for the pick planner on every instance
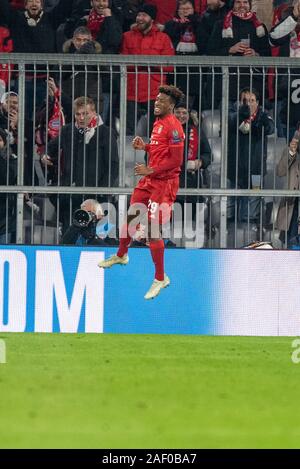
(175, 93)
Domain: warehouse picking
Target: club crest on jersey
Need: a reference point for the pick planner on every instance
(160, 128)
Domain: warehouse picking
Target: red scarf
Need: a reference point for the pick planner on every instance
(193, 143)
(246, 124)
(57, 119)
(55, 123)
(252, 117)
(180, 20)
(93, 123)
(187, 36)
(295, 41)
(95, 22)
(227, 24)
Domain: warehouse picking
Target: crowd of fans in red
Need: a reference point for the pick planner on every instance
(148, 27)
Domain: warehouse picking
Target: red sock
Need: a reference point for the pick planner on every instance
(125, 241)
(157, 249)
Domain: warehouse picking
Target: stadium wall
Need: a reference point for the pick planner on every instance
(213, 292)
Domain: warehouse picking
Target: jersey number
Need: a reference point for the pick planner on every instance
(152, 206)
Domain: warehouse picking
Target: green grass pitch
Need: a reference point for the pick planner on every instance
(148, 391)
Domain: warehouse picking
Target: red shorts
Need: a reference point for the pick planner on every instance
(157, 197)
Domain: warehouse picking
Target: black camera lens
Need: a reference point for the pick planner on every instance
(81, 218)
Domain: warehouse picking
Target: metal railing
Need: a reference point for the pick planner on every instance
(117, 70)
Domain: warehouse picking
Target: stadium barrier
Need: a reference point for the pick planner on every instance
(216, 292)
(40, 221)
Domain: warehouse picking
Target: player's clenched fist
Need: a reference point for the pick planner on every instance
(138, 143)
(142, 170)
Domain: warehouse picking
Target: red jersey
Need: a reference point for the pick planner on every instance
(166, 148)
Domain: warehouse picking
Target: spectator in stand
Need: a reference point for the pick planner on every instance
(166, 9)
(34, 31)
(182, 30)
(9, 114)
(197, 155)
(9, 106)
(287, 220)
(79, 80)
(240, 33)
(248, 128)
(8, 176)
(286, 36)
(106, 30)
(104, 25)
(216, 10)
(49, 120)
(81, 10)
(144, 39)
(89, 152)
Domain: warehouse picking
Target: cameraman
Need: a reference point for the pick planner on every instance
(84, 223)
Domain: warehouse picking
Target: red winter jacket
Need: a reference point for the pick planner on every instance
(153, 43)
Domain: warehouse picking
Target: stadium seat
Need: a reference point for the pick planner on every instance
(275, 148)
(211, 123)
(141, 128)
(44, 234)
(214, 170)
